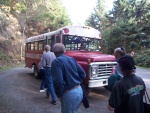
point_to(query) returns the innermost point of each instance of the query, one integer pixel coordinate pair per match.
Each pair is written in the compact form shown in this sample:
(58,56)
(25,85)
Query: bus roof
(84,31)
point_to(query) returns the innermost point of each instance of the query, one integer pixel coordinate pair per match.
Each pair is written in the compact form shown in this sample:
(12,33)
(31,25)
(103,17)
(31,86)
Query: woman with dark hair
(127,93)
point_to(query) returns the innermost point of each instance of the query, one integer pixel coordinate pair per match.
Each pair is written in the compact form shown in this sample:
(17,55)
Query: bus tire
(35,72)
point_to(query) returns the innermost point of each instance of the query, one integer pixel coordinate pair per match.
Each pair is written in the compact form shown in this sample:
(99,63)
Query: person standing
(46,62)
(118,53)
(127,93)
(67,77)
(43,85)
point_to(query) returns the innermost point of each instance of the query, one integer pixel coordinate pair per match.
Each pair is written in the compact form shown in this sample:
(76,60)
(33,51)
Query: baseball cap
(127,63)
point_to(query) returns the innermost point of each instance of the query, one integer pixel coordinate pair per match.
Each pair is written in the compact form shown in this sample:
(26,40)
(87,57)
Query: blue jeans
(71,100)
(49,81)
(43,83)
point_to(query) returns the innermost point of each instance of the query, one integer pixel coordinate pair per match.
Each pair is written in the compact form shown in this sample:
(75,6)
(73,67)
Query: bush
(4,2)
(142,58)
(4,57)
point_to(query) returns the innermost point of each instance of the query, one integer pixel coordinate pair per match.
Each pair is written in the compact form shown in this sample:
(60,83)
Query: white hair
(47,47)
(59,48)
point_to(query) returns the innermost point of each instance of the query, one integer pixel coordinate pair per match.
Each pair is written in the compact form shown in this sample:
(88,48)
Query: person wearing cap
(118,53)
(67,77)
(127,93)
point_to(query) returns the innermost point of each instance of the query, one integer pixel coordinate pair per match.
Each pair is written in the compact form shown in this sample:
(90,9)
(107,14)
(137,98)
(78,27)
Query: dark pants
(112,80)
(49,81)
(43,83)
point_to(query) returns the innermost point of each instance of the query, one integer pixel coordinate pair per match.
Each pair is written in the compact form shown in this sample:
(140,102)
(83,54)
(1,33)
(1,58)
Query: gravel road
(19,93)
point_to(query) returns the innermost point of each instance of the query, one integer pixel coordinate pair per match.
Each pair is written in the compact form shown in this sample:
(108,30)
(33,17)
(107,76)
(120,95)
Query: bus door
(55,39)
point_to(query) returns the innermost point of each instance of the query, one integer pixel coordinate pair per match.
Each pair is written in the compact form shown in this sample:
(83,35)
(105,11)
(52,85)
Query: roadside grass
(143,67)
(20,64)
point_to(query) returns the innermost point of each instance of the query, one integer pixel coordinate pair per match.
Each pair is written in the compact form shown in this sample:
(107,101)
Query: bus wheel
(35,71)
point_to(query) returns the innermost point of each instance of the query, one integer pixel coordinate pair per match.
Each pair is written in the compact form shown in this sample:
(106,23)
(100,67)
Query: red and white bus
(81,42)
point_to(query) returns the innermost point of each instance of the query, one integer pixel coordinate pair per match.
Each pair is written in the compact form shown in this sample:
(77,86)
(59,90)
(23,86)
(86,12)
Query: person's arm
(42,62)
(118,72)
(144,86)
(115,97)
(39,65)
(57,78)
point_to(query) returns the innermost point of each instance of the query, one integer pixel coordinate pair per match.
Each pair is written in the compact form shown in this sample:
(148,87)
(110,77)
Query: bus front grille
(105,69)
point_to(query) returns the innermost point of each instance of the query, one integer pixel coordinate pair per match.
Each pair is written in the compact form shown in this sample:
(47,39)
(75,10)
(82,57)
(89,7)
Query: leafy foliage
(142,58)
(127,25)
(3,56)
(19,7)
(4,2)
(24,18)
(39,16)
(97,19)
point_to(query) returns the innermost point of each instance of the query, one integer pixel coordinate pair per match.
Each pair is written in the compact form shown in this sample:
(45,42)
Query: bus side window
(36,46)
(32,46)
(28,46)
(41,45)
(52,42)
(49,42)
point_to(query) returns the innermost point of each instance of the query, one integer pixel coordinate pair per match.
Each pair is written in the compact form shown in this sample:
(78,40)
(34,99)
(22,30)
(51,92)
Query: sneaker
(53,102)
(41,91)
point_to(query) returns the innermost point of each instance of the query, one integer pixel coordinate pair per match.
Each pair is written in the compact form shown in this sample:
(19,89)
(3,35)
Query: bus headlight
(94,71)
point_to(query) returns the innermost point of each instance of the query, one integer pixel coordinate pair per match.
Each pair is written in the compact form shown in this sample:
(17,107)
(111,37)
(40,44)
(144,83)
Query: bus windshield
(81,43)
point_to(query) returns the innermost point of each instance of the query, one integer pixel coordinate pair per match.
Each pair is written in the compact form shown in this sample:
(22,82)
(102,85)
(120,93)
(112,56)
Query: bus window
(94,45)
(68,47)
(49,41)
(36,46)
(28,47)
(52,41)
(70,43)
(32,46)
(78,42)
(41,45)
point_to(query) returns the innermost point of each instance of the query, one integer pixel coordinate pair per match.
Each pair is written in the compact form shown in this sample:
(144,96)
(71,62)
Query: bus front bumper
(98,83)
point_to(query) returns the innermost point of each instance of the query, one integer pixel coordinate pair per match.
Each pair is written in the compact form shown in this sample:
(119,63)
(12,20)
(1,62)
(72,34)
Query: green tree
(97,19)
(142,12)
(39,16)
(128,18)
(137,10)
